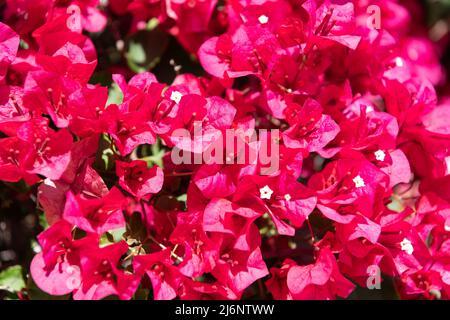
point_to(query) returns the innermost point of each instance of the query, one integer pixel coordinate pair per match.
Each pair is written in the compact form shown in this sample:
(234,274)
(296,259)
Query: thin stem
(178,174)
(310,230)
(164,248)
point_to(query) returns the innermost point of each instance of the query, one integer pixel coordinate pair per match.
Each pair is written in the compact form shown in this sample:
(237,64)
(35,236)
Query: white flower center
(176,96)
(399,62)
(407,246)
(287,197)
(447,165)
(380,155)
(369,109)
(265,192)
(447,226)
(263,19)
(359,182)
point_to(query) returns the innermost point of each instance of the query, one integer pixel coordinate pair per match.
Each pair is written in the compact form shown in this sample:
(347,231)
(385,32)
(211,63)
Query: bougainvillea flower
(49,91)
(282,198)
(165,277)
(56,269)
(277,282)
(79,177)
(137,179)
(309,129)
(129,130)
(223,216)
(101,275)
(238,267)
(321,280)
(95,215)
(13,110)
(9,43)
(193,290)
(49,150)
(202,122)
(14,156)
(200,251)
(351,185)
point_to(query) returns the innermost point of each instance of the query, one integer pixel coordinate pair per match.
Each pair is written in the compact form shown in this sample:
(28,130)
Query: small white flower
(447,227)
(380,155)
(263,19)
(399,62)
(287,197)
(176,96)
(265,192)
(359,182)
(407,246)
(447,165)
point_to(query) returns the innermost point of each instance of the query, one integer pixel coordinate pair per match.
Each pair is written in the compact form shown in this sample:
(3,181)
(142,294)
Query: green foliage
(145,48)
(437,10)
(115,95)
(11,279)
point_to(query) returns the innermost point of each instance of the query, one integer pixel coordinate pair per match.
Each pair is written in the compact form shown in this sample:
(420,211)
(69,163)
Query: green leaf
(115,95)
(136,53)
(182,198)
(106,239)
(112,236)
(106,155)
(43,221)
(141,294)
(11,279)
(145,48)
(117,234)
(395,205)
(152,24)
(157,154)
(23,44)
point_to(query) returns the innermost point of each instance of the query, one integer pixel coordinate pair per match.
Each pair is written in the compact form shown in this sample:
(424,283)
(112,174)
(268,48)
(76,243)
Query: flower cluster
(362,180)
